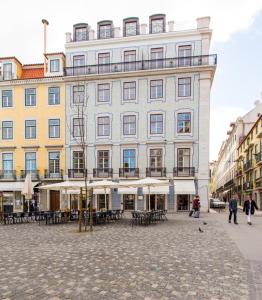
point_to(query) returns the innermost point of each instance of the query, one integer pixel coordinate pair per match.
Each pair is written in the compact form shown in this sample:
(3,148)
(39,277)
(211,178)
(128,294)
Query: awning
(184,187)
(14,186)
(130,190)
(156,190)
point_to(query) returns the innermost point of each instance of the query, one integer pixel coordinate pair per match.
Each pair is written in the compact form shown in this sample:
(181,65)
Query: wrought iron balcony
(229,183)
(7,174)
(54,174)
(258,157)
(102,172)
(183,171)
(259,183)
(34,174)
(156,172)
(238,173)
(248,186)
(248,165)
(164,63)
(128,172)
(77,173)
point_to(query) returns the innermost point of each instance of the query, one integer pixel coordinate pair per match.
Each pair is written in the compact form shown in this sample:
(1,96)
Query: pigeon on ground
(205,223)
(200,230)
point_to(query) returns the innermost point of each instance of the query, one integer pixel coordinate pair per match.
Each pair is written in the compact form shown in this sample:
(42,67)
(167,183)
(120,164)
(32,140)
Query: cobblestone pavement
(169,260)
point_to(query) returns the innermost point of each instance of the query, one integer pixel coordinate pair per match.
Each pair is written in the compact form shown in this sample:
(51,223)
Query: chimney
(45,23)
(171,26)
(68,37)
(117,32)
(203,23)
(91,34)
(143,28)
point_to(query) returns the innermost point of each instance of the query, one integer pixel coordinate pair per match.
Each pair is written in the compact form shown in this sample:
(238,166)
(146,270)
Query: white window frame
(156,112)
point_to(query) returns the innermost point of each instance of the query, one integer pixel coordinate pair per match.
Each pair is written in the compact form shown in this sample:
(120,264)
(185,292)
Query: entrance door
(182,202)
(54,200)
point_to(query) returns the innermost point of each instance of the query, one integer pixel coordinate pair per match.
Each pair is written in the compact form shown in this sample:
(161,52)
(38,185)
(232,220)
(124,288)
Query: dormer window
(105,29)
(157,23)
(7,71)
(80,32)
(130,27)
(54,65)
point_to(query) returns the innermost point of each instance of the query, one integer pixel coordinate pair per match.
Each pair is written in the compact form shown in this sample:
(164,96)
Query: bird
(205,223)
(200,230)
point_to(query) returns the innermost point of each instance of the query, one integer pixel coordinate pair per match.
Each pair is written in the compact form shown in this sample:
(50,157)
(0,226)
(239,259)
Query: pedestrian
(196,206)
(249,208)
(233,208)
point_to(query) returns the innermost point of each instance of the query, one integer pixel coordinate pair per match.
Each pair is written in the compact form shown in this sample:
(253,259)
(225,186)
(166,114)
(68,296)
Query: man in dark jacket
(233,208)
(249,208)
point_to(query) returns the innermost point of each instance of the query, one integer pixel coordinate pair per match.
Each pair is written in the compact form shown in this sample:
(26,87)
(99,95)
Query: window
(155,159)
(129,89)
(78,94)
(78,160)
(129,202)
(157,25)
(184,87)
(156,89)
(30,129)
(7,130)
(54,128)
(156,124)
(130,28)
(78,127)
(130,60)
(30,161)
(7,98)
(104,62)
(104,92)
(183,158)
(7,71)
(81,34)
(129,125)
(30,97)
(103,124)
(129,158)
(7,165)
(184,122)
(54,162)
(157,55)
(184,55)
(53,95)
(79,64)
(103,159)
(54,65)
(105,31)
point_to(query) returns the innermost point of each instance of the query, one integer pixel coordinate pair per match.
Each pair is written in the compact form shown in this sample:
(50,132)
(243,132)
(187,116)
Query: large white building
(145,91)
(226,166)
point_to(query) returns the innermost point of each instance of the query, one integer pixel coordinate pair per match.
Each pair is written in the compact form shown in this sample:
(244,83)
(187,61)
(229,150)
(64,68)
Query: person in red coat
(249,208)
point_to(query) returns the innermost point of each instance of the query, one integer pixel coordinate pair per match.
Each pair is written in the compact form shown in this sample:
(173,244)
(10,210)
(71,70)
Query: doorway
(183,202)
(54,200)
(155,202)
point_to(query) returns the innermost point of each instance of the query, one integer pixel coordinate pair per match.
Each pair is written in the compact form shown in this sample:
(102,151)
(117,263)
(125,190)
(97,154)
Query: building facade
(226,169)
(141,97)
(249,179)
(32,119)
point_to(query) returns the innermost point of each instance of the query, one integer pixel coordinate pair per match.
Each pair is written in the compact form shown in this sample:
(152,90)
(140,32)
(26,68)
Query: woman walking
(249,208)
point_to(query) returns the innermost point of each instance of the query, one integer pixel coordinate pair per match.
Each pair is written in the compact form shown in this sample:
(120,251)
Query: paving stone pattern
(169,260)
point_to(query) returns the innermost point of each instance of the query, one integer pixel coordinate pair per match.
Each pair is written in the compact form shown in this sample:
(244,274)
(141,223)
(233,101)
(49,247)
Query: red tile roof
(32,73)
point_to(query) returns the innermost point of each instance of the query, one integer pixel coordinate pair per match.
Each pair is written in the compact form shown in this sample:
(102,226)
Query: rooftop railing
(164,63)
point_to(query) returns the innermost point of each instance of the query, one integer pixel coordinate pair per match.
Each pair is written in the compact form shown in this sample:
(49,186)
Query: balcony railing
(258,157)
(229,183)
(7,174)
(164,63)
(53,174)
(129,172)
(77,173)
(248,186)
(102,172)
(259,182)
(183,171)
(238,173)
(156,172)
(248,165)
(34,174)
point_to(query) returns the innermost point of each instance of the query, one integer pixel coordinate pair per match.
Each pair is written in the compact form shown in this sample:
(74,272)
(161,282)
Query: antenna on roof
(45,23)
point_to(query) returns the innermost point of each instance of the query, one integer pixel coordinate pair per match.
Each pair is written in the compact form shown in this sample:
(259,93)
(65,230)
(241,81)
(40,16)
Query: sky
(237,39)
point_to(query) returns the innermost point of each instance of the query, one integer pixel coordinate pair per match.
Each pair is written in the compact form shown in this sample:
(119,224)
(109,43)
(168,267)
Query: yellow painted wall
(41,113)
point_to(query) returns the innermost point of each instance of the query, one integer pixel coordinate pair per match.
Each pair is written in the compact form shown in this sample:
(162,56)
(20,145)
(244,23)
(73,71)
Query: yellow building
(32,128)
(249,169)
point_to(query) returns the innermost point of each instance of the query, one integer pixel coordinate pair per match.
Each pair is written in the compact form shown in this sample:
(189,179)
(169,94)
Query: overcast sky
(234,23)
